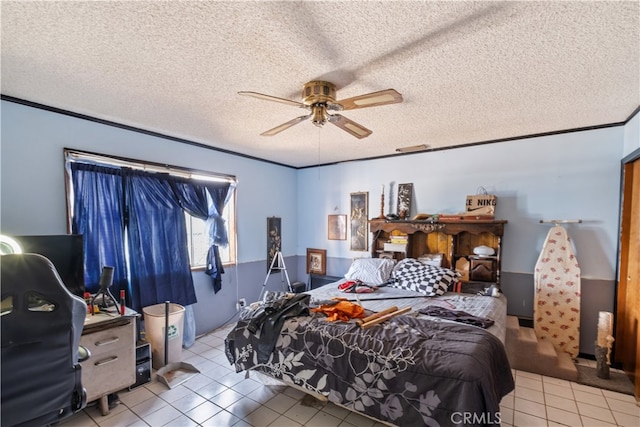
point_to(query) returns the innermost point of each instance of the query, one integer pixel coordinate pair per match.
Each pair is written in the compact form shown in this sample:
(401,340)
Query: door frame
(626,165)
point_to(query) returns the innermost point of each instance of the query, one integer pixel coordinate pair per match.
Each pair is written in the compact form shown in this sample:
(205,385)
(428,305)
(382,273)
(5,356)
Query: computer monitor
(66,253)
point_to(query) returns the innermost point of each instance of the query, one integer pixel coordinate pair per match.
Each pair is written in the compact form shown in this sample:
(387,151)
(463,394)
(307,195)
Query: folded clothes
(457,316)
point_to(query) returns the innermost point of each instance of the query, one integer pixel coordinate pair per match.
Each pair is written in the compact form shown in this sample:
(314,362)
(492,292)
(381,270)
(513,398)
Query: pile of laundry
(356,287)
(340,309)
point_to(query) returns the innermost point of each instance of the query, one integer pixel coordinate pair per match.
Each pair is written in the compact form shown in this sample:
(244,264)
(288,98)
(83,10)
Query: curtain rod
(149,166)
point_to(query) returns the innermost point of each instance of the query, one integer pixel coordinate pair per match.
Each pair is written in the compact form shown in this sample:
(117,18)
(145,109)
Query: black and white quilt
(406,371)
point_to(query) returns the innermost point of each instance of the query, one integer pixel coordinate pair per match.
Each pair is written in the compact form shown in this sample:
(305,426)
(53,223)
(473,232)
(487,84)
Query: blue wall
(572,175)
(34,201)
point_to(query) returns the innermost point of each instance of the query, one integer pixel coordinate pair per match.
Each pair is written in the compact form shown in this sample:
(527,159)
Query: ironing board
(557,293)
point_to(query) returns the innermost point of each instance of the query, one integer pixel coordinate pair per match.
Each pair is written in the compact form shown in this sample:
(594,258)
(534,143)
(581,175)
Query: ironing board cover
(557,293)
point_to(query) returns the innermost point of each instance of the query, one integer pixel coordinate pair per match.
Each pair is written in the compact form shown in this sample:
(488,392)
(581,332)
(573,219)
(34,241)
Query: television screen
(65,252)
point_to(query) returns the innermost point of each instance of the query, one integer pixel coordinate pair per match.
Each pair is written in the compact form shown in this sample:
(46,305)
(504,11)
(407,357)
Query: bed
(412,369)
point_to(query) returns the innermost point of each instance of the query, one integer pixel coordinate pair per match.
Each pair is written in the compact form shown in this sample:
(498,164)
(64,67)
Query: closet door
(627,344)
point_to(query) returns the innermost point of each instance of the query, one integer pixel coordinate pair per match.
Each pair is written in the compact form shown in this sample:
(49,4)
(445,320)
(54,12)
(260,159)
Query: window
(198,240)
(131,216)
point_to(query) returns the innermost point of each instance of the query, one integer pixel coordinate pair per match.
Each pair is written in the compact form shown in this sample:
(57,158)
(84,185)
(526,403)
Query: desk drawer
(111,366)
(107,340)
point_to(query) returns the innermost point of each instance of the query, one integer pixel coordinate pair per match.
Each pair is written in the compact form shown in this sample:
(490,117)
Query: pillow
(430,280)
(372,271)
(432,259)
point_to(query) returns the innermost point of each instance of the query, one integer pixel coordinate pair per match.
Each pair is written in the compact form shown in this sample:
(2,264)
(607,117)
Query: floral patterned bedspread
(406,371)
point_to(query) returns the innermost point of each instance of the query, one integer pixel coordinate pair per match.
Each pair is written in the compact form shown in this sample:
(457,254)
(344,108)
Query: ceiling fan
(319,97)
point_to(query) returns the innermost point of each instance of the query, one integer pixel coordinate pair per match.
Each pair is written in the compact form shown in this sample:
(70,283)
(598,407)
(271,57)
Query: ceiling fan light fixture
(319,96)
(318,113)
(318,92)
(413,148)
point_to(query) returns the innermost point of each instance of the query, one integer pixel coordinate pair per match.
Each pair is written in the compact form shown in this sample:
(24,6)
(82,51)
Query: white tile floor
(220,397)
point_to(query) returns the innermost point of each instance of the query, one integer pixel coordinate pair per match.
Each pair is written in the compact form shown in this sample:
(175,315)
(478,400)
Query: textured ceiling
(468,71)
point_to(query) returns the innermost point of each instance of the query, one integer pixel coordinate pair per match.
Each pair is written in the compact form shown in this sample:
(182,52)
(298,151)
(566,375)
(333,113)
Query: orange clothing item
(343,310)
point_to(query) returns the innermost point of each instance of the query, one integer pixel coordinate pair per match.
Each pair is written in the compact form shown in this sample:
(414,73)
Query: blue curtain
(159,258)
(194,197)
(205,201)
(219,193)
(191,196)
(99,215)
(146,210)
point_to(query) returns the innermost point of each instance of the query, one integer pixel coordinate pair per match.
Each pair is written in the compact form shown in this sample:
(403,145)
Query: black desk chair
(41,324)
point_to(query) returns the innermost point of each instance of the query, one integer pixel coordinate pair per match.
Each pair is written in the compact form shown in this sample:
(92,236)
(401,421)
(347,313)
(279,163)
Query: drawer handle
(107,342)
(105,361)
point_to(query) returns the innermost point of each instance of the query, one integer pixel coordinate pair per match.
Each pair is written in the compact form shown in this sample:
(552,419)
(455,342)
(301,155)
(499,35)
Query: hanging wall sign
(359,221)
(274,239)
(405,193)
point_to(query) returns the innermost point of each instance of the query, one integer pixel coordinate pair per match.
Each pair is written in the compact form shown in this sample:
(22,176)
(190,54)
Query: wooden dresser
(453,238)
(112,364)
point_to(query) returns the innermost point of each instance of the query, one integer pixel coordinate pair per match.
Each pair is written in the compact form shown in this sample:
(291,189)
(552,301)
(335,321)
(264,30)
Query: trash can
(154,326)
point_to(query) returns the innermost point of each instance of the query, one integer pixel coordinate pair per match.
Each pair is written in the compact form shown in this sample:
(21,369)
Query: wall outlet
(242,302)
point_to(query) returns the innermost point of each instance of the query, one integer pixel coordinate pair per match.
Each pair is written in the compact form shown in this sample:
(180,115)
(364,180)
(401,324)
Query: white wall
(565,176)
(632,135)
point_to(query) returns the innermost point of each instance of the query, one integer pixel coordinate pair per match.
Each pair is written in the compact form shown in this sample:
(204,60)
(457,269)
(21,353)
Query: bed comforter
(407,371)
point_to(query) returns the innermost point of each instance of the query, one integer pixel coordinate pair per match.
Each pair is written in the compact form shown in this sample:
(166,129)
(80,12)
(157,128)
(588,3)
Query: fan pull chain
(319,130)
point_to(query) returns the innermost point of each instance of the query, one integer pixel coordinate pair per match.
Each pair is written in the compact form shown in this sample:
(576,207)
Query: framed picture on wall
(317,261)
(274,239)
(337,225)
(359,221)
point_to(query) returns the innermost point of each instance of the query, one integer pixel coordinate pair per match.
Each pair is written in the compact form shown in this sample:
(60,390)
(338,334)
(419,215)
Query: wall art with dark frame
(274,239)
(405,195)
(359,221)
(337,226)
(317,261)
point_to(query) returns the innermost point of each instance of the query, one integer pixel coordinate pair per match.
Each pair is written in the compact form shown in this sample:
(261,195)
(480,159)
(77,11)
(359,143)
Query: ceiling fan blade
(272,98)
(285,126)
(383,97)
(350,126)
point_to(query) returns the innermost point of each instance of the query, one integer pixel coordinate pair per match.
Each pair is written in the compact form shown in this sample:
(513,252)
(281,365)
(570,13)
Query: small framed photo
(317,261)
(337,227)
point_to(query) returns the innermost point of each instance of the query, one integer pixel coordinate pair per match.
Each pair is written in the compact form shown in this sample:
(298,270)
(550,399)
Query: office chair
(41,324)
